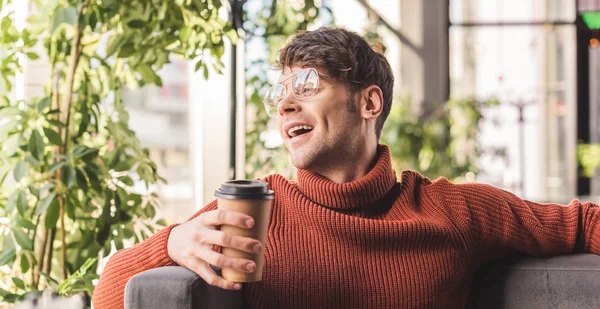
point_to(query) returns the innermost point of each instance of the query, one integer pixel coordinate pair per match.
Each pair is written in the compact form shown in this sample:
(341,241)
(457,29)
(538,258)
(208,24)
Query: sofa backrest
(569,281)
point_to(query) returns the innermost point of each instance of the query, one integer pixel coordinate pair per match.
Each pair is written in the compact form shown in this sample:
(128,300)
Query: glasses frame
(285,84)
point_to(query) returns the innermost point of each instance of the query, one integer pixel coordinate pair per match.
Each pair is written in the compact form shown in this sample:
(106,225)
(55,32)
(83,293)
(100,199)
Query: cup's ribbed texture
(379,243)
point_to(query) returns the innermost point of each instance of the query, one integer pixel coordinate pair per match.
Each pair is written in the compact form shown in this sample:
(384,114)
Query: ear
(371,103)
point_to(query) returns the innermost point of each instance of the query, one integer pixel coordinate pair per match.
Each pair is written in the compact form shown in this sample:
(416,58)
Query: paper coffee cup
(252,198)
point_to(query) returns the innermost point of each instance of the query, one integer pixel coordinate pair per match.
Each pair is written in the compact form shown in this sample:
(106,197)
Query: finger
(214,237)
(220,217)
(223,261)
(205,272)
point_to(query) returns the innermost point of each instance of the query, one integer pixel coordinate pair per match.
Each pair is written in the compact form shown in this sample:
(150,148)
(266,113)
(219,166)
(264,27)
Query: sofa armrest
(176,287)
(569,281)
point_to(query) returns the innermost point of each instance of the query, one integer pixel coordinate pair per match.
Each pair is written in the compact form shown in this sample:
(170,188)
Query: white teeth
(292,131)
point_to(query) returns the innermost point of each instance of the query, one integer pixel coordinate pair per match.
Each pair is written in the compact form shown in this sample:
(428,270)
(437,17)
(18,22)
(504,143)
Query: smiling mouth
(299,130)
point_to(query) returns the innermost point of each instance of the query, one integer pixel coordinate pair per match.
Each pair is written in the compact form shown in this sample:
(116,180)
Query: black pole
(447,51)
(236,22)
(521,107)
(583,100)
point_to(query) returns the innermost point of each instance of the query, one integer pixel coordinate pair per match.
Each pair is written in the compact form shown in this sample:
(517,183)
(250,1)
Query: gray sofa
(571,281)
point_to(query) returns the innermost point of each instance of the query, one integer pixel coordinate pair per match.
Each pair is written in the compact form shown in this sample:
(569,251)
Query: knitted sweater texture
(381,243)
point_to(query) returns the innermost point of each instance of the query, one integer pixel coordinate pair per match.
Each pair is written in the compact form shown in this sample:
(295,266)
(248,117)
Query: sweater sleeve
(151,253)
(494,223)
(502,223)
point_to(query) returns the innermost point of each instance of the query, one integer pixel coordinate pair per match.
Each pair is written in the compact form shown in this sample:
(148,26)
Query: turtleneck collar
(364,191)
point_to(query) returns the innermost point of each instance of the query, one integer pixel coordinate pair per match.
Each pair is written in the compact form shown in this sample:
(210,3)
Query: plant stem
(70,79)
(42,255)
(34,270)
(74,57)
(50,252)
(63,248)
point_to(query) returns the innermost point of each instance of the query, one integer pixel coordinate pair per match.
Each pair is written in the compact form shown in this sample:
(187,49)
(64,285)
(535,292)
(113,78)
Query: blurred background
(163,107)
(499,92)
(493,91)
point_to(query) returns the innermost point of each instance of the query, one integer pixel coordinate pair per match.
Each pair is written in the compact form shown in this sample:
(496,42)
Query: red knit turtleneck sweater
(379,243)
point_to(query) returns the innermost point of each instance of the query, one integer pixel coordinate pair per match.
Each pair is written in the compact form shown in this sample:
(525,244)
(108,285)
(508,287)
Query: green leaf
(148,75)
(7,256)
(52,280)
(7,241)
(113,44)
(232,35)
(18,283)
(7,127)
(34,191)
(81,180)
(52,215)
(57,123)
(8,112)
(13,298)
(136,24)
(11,145)
(199,65)
(53,137)
(22,238)
(22,203)
(36,145)
(44,204)
(61,15)
(150,211)
(126,180)
(3,292)
(70,209)
(85,119)
(127,49)
(43,104)
(12,201)
(24,263)
(20,170)
(46,187)
(56,166)
(86,239)
(26,224)
(32,161)
(84,152)
(127,233)
(185,33)
(68,176)
(32,56)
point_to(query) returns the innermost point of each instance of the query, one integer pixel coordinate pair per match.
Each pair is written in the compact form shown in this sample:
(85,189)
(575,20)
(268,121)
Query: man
(347,234)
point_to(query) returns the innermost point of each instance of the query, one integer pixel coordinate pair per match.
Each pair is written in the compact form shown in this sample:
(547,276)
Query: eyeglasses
(305,84)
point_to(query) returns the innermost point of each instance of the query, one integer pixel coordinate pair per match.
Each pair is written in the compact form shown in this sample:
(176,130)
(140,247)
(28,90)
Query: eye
(306,83)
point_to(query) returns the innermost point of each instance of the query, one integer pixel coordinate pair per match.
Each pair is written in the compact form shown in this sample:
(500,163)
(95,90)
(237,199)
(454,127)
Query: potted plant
(70,167)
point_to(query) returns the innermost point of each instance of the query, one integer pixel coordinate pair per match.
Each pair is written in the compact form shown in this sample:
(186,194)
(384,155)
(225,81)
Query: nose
(288,104)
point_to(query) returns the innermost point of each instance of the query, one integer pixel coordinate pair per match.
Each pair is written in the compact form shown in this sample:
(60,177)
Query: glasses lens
(272,98)
(306,83)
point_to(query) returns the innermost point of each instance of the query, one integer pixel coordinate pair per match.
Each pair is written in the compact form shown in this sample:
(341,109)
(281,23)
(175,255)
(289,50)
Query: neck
(355,166)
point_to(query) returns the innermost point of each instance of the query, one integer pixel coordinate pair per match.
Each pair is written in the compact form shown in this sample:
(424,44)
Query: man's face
(318,131)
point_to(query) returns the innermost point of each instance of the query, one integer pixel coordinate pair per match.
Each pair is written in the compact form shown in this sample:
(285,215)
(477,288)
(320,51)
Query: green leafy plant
(588,156)
(74,180)
(443,143)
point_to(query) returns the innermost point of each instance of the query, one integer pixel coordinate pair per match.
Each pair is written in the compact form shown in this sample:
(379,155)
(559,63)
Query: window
(159,116)
(523,53)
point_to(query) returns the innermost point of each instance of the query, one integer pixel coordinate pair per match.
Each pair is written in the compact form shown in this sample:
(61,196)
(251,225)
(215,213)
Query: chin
(299,159)
(309,158)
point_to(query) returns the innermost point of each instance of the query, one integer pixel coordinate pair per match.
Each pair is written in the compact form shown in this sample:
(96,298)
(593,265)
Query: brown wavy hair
(344,55)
